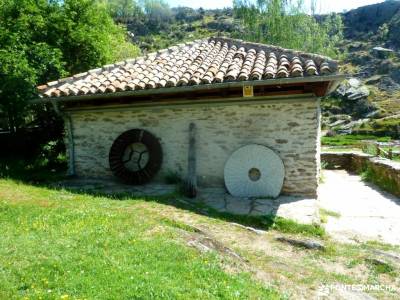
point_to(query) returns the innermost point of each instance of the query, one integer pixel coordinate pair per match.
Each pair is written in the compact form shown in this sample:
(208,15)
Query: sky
(325,5)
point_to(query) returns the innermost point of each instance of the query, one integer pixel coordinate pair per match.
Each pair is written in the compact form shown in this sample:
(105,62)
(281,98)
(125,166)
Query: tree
(125,11)
(158,14)
(286,23)
(43,40)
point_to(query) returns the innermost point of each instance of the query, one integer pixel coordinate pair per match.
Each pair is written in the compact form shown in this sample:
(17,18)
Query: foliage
(351,140)
(124,11)
(158,14)
(60,245)
(187,14)
(384,182)
(45,40)
(383,32)
(287,24)
(33,170)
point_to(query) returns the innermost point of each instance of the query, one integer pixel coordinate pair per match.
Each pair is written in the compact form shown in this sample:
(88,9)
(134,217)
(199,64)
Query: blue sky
(325,5)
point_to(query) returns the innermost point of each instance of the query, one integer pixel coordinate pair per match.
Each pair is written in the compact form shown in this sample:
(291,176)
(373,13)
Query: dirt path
(366,212)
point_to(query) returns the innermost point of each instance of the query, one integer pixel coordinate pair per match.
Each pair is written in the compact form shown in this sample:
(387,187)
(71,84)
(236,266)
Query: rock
(351,125)
(392,256)
(251,229)
(388,84)
(345,131)
(373,115)
(353,89)
(338,122)
(374,79)
(308,244)
(369,18)
(207,244)
(354,82)
(384,67)
(383,53)
(359,108)
(331,133)
(380,263)
(357,93)
(395,75)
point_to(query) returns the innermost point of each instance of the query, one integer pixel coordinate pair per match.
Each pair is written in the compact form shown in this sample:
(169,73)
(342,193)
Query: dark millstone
(308,244)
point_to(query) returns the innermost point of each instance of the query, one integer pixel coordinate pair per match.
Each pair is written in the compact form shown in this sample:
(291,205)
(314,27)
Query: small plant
(380,267)
(324,214)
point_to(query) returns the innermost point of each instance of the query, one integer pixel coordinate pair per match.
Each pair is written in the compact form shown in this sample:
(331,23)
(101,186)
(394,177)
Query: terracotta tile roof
(208,61)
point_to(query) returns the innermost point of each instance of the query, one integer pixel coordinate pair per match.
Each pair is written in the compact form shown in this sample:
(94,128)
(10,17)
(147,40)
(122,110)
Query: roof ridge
(262,46)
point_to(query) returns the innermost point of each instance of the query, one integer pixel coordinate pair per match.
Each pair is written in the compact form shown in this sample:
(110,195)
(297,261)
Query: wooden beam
(211,95)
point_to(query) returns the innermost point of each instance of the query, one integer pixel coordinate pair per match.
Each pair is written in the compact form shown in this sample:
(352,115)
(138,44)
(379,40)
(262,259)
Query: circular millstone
(254,171)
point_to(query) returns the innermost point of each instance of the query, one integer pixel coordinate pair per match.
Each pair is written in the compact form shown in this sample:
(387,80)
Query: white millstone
(254,171)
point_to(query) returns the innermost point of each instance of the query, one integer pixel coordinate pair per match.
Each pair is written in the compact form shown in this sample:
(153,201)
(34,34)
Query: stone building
(132,119)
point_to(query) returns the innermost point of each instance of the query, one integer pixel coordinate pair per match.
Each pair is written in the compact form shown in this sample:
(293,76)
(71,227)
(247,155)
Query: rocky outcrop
(354,95)
(353,89)
(368,19)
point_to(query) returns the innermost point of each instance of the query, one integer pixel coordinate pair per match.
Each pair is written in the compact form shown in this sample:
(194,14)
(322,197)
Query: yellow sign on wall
(248,91)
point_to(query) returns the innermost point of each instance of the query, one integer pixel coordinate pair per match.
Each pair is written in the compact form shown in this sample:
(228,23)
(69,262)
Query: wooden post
(191,182)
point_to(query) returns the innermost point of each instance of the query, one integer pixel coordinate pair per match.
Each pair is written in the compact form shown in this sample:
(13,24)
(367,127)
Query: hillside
(369,103)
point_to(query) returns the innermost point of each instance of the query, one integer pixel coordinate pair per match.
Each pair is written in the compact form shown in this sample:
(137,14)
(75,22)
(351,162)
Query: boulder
(353,89)
(308,244)
(383,53)
(373,114)
(385,66)
(337,123)
(387,84)
(373,79)
(395,74)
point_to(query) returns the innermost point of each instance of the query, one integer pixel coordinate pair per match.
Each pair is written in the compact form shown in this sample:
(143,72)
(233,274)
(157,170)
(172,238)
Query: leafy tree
(125,11)
(42,40)
(286,23)
(158,14)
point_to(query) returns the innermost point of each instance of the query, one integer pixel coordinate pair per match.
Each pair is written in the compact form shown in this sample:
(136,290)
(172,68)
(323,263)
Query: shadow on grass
(41,175)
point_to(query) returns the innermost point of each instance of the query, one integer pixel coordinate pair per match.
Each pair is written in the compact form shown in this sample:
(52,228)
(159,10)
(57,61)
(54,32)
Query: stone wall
(383,172)
(290,128)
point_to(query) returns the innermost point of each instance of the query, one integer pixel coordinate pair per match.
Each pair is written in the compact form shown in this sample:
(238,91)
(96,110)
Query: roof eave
(333,79)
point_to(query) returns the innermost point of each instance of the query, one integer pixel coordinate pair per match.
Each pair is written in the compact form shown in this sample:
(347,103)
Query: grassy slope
(57,244)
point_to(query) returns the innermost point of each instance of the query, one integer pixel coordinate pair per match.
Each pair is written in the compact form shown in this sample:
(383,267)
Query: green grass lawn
(60,245)
(57,244)
(351,140)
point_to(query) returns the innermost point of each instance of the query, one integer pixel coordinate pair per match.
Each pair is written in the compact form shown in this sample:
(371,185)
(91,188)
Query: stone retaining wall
(385,173)
(289,128)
